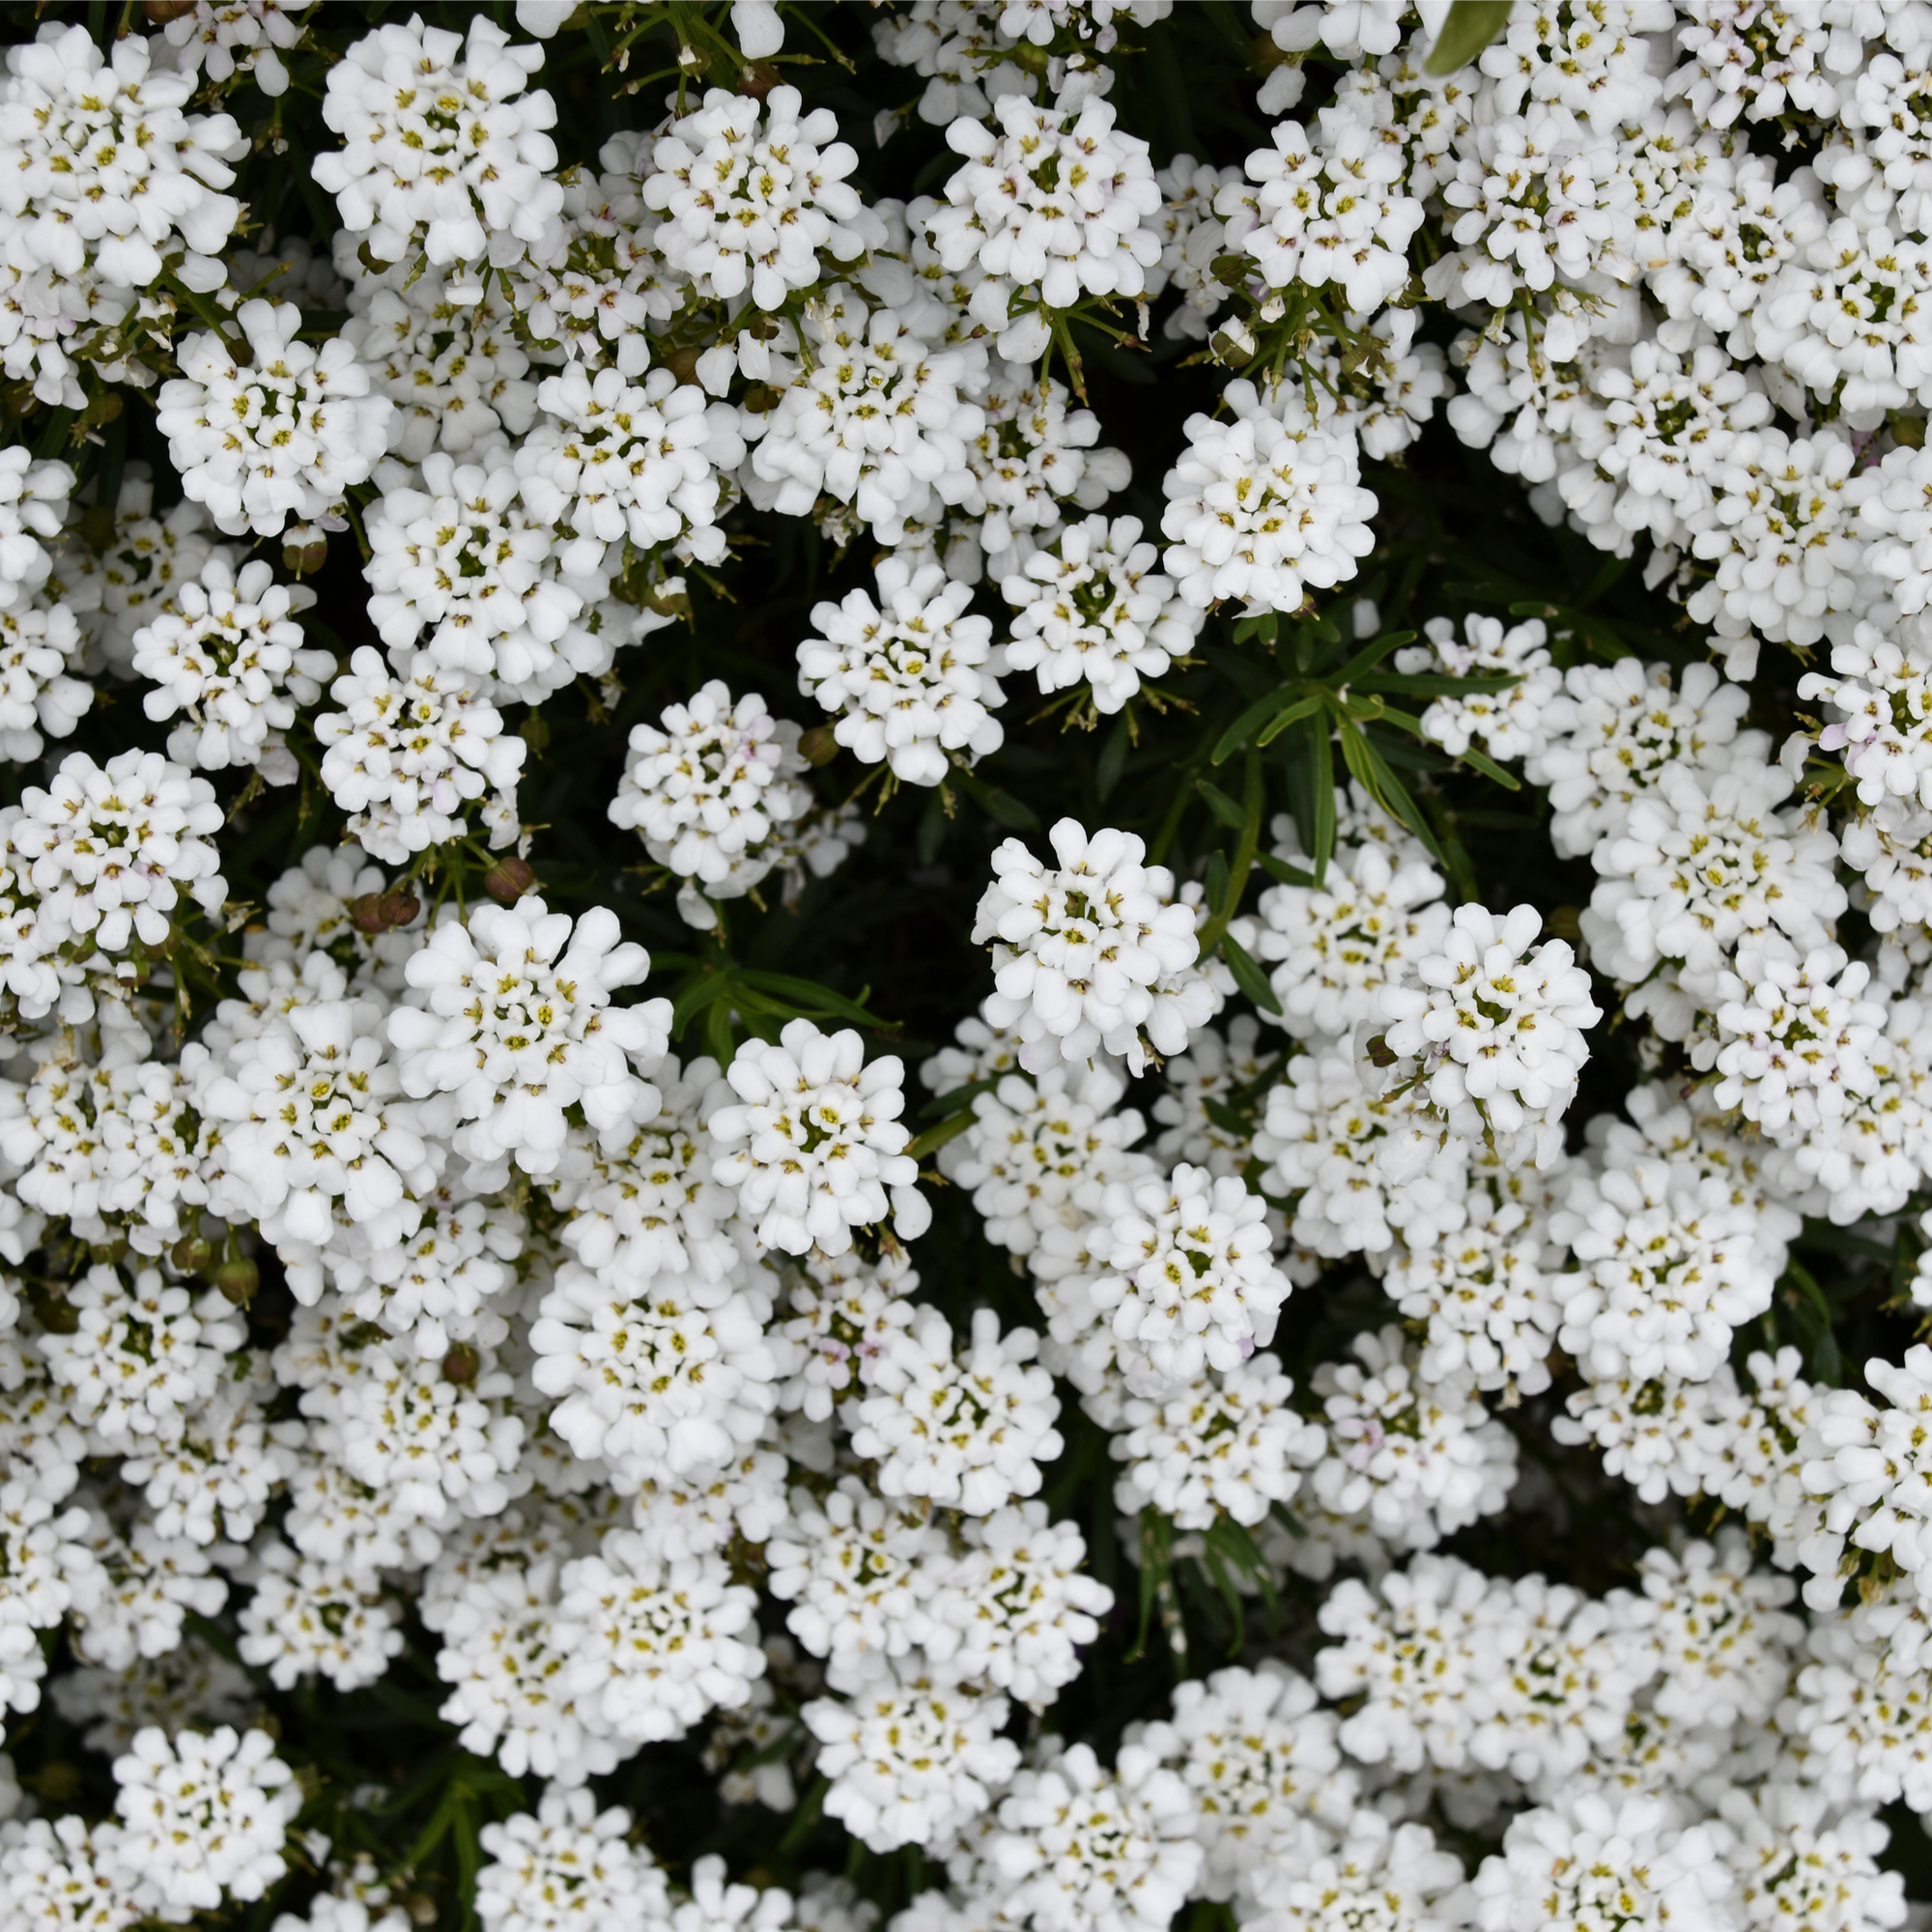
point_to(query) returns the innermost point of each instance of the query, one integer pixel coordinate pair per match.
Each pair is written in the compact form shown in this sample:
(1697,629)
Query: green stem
(1249,843)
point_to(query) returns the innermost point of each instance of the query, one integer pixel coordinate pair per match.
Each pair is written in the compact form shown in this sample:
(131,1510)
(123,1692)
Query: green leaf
(1307,707)
(1370,655)
(1216,881)
(1248,975)
(1472,25)
(1239,732)
(1001,807)
(958,1099)
(807,996)
(1489,769)
(1224,808)
(1324,798)
(1280,869)
(699,995)
(1433,684)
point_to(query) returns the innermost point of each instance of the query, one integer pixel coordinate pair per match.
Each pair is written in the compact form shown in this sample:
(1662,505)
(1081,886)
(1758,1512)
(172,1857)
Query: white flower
(39,646)
(1232,1442)
(445,150)
(312,1618)
(517,1025)
(1670,1267)
(411,750)
(843,1309)
(1509,724)
(141,1356)
(50,1571)
(640,1195)
(1038,1155)
(1085,952)
(716,1905)
(453,368)
(816,1149)
(279,436)
(1617,727)
(224,37)
(567,1868)
(1362,1169)
(1380,1875)
(1419,1458)
(1081,1847)
(1057,204)
(1799,1859)
(657,1643)
(1014,1608)
(910,676)
(969,1429)
(1091,608)
(109,851)
(1266,507)
(1194,1284)
(860,1571)
(465,559)
(32,504)
(1487,1289)
(109,1149)
(425,1435)
(312,1113)
(910,1762)
(1492,1035)
(1795,1040)
(1033,460)
(216,1479)
(869,412)
(1340,943)
(751,195)
(1703,865)
(104,169)
(1262,1767)
(202,1815)
(1212,1080)
(1330,210)
(1596,1863)
(711,791)
(233,659)
(507,1653)
(59,1873)
(630,462)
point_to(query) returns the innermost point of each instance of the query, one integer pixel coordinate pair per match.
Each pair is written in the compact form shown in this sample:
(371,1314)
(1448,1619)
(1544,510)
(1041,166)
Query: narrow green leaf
(1248,975)
(697,996)
(1489,769)
(1280,869)
(809,996)
(1368,656)
(1294,715)
(1324,798)
(1216,881)
(958,1099)
(1224,808)
(1001,807)
(1471,26)
(1431,684)
(1259,712)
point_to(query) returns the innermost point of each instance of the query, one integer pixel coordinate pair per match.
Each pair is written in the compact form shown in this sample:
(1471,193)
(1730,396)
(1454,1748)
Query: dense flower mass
(966,966)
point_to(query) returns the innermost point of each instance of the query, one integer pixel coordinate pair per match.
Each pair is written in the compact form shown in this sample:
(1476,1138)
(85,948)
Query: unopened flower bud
(238,1278)
(461,1364)
(509,879)
(818,746)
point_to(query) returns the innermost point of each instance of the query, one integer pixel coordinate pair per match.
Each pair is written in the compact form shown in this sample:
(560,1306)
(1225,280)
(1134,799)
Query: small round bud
(238,1278)
(683,364)
(818,746)
(509,879)
(758,78)
(366,915)
(193,1254)
(461,1364)
(57,1315)
(398,906)
(160,11)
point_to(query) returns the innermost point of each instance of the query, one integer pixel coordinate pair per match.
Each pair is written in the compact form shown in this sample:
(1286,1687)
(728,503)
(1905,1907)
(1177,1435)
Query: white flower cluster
(400,1269)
